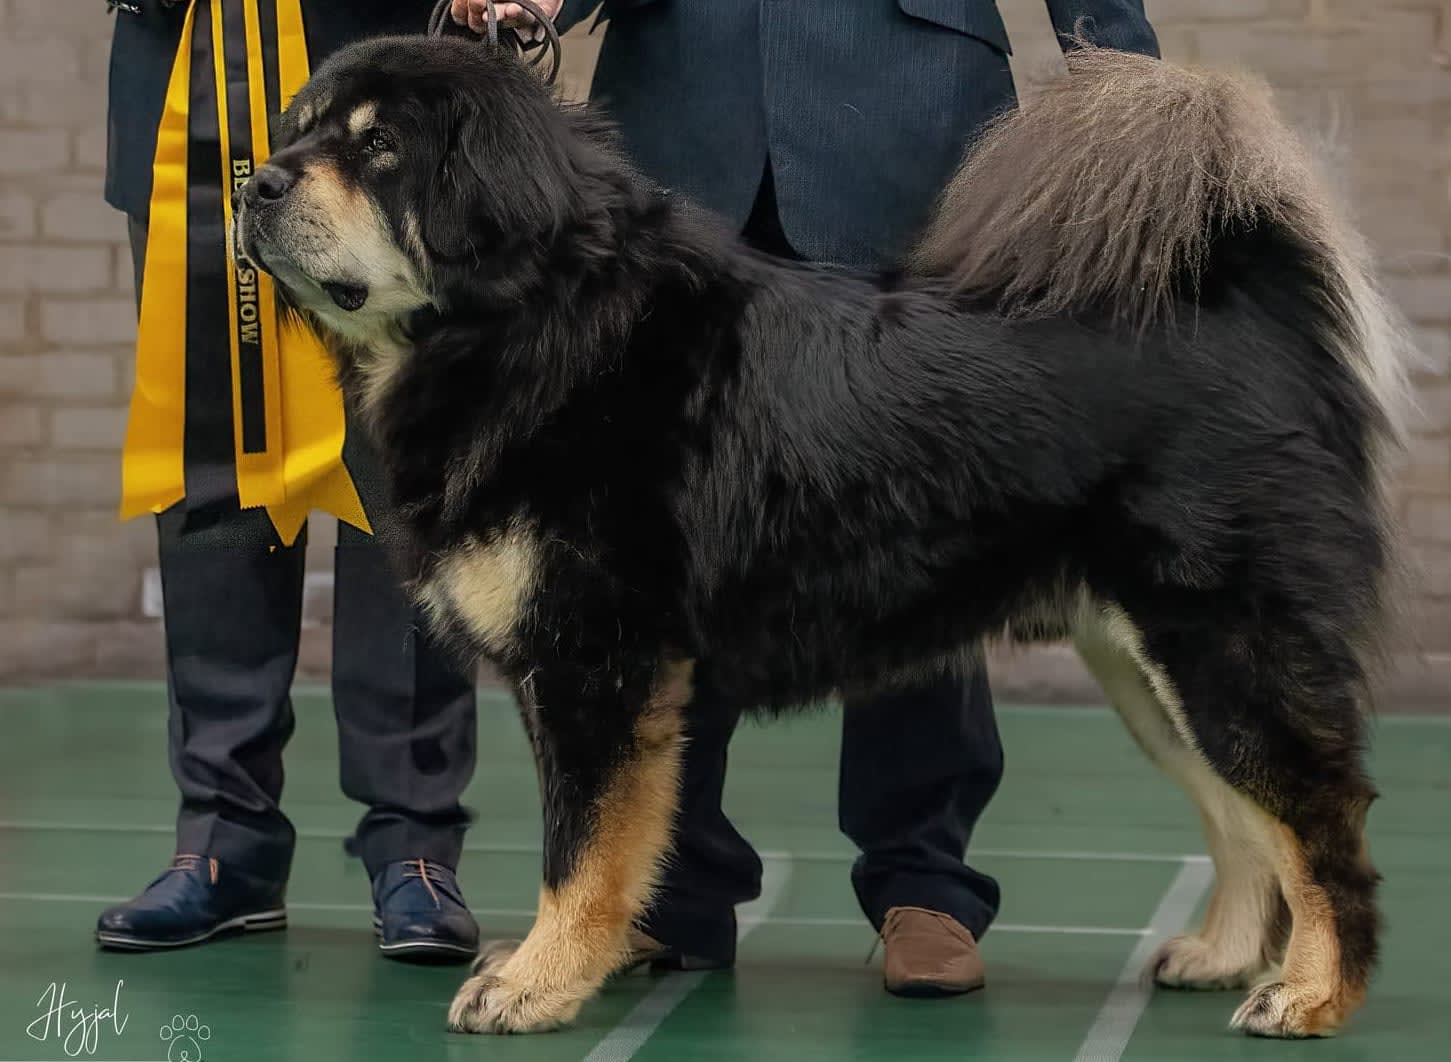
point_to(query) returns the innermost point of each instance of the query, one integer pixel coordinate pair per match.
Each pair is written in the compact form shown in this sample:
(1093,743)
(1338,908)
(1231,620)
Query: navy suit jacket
(863,107)
(143,48)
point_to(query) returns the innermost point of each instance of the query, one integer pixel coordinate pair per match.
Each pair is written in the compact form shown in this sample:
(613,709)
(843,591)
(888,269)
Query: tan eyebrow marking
(362,117)
(310,111)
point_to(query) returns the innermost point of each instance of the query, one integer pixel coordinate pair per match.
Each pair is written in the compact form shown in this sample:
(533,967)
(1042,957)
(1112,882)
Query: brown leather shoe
(928,953)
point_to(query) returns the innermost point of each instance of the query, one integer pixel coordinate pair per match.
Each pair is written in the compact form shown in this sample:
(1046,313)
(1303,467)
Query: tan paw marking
(490,1003)
(1286,1010)
(1193,962)
(493,955)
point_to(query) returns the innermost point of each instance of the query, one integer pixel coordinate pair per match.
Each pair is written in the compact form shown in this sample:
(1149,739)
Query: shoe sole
(670,962)
(262,922)
(932,989)
(422,951)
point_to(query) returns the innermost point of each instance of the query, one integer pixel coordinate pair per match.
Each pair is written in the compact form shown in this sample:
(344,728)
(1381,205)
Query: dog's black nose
(272,182)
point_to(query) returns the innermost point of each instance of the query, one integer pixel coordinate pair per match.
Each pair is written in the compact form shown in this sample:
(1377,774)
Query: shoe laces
(888,924)
(188,861)
(427,871)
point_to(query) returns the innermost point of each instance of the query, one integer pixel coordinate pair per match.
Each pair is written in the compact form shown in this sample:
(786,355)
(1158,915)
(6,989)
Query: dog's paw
(1286,1010)
(1192,962)
(492,1003)
(493,955)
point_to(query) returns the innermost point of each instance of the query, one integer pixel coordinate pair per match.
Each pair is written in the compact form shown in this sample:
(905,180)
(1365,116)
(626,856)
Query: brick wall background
(1370,80)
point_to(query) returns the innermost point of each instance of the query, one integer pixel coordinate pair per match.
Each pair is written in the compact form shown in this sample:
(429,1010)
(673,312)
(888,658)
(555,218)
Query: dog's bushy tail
(1111,190)
(1132,187)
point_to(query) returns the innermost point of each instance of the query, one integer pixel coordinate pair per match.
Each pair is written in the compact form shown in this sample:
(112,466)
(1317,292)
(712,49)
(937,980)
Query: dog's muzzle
(256,215)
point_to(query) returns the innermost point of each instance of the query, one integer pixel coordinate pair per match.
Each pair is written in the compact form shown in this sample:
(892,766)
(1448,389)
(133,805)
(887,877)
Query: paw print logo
(184,1037)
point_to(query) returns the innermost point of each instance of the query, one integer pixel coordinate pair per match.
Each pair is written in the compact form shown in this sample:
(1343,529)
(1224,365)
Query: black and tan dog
(1135,388)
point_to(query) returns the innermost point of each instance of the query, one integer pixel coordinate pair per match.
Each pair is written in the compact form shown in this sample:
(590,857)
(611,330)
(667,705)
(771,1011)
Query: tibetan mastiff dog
(1133,387)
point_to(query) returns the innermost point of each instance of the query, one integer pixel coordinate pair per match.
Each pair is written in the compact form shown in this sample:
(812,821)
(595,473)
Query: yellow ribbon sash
(286,414)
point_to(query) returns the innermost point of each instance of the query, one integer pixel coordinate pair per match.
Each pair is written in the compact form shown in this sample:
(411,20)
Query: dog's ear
(501,179)
(454,204)
(514,169)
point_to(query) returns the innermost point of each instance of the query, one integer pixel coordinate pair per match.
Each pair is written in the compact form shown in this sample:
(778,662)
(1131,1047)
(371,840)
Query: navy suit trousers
(918,768)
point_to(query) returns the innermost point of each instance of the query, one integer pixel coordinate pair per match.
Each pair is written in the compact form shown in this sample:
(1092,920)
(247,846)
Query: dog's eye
(378,142)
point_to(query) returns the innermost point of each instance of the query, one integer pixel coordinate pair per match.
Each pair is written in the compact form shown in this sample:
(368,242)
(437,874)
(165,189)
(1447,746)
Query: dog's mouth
(348,297)
(248,244)
(248,241)
(241,252)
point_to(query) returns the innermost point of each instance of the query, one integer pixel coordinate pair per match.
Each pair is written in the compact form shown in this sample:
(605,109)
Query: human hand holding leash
(539,37)
(473,14)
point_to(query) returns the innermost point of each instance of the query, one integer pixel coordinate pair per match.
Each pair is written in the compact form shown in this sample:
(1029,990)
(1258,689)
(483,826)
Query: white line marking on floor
(1090,857)
(747,921)
(487,693)
(806,856)
(1070,855)
(1120,1013)
(621,1043)
(998,927)
(502,697)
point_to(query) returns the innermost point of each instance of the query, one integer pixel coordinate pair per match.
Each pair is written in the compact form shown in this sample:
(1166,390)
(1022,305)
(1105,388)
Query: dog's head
(408,173)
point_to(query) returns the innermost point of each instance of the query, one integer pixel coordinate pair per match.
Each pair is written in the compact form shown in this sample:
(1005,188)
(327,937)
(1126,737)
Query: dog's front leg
(608,750)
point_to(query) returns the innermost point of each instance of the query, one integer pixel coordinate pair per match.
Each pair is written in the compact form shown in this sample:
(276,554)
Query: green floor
(1087,841)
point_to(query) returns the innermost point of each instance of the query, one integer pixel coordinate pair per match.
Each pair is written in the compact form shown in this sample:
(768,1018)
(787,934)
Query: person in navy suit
(825,131)
(233,608)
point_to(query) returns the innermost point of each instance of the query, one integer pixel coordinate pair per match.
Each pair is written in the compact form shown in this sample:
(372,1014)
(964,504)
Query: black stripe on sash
(251,382)
(267,17)
(208,446)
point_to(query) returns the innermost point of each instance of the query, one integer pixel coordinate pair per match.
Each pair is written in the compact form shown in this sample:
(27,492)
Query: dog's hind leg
(1311,779)
(1274,710)
(1243,927)
(608,749)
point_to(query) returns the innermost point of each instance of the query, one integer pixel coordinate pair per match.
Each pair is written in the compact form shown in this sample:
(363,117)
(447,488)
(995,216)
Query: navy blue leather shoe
(419,914)
(194,899)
